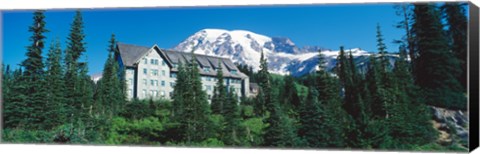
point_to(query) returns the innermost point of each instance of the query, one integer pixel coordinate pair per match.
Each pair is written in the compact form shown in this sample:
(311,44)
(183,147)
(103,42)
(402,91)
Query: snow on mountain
(245,47)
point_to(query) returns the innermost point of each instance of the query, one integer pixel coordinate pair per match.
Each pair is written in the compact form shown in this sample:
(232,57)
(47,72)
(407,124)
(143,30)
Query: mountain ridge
(245,47)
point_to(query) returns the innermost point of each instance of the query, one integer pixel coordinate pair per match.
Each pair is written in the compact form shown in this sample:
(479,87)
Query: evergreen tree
(280,131)
(312,117)
(34,74)
(409,123)
(111,96)
(291,100)
(219,92)
(436,68)
(263,76)
(193,117)
(259,103)
(54,78)
(376,88)
(7,87)
(385,65)
(84,94)
(76,44)
(375,110)
(75,48)
(348,77)
(15,109)
(179,91)
(404,10)
(335,118)
(457,30)
(233,131)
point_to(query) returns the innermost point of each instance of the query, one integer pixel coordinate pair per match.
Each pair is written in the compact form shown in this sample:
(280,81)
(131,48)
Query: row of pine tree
(384,107)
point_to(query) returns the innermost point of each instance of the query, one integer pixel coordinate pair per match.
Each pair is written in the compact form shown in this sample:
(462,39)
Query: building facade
(150,72)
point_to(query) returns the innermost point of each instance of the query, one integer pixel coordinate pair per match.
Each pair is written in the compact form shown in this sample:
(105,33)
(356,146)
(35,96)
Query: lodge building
(150,72)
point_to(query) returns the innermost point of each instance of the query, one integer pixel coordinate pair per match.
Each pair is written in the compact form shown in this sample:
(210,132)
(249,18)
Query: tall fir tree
(335,118)
(56,93)
(219,92)
(263,102)
(409,124)
(34,74)
(75,48)
(347,78)
(111,96)
(382,50)
(290,97)
(404,10)
(233,131)
(280,131)
(15,109)
(193,117)
(179,91)
(376,107)
(312,118)
(84,94)
(436,69)
(457,30)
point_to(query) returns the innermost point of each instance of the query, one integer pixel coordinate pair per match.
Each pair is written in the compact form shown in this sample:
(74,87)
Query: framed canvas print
(355,76)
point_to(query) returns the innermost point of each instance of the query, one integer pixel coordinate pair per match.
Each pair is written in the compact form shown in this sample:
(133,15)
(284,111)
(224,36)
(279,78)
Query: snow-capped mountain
(245,47)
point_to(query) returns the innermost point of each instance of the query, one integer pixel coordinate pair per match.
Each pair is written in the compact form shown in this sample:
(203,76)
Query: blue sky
(329,26)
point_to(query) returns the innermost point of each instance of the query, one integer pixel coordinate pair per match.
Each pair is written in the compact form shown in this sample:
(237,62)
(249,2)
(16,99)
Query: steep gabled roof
(131,54)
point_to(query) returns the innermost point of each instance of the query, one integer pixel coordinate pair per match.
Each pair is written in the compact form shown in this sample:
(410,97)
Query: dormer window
(233,71)
(175,65)
(206,69)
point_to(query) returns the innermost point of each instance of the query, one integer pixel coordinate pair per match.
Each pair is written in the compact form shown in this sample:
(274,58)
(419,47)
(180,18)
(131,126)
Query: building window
(162,93)
(173,75)
(233,71)
(163,72)
(206,69)
(155,72)
(144,93)
(152,83)
(145,60)
(155,61)
(172,84)
(209,88)
(144,81)
(145,71)
(163,63)
(163,83)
